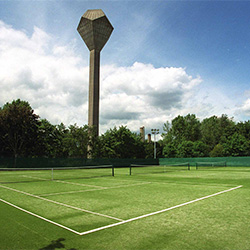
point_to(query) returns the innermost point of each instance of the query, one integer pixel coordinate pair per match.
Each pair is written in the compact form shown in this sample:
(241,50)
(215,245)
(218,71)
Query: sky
(163,59)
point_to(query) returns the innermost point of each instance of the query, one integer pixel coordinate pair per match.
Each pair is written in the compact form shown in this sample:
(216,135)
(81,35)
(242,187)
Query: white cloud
(54,80)
(49,76)
(245,107)
(144,95)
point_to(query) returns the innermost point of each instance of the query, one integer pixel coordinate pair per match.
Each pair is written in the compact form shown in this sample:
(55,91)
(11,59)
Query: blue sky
(164,58)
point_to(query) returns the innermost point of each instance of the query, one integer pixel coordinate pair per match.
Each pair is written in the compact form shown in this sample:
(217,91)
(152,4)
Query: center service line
(157,212)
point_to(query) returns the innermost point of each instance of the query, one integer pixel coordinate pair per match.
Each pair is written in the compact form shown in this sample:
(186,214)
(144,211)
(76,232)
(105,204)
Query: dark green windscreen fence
(70,162)
(41,162)
(230,161)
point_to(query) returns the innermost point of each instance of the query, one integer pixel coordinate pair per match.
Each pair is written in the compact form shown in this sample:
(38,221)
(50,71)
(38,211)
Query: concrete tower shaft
(95,30)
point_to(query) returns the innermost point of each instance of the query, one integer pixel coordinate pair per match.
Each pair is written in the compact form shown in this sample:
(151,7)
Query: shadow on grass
(56,244)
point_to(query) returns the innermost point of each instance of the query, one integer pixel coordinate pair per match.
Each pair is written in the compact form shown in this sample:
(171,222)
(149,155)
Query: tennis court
(127,205)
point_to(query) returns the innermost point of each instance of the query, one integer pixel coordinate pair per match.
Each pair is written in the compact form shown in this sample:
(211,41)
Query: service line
(157,212)
(96,189)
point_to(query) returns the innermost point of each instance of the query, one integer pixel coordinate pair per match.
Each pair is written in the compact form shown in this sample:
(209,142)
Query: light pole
(155,132)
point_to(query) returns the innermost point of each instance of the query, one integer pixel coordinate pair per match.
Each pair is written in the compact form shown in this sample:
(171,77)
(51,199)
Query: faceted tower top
(95,29)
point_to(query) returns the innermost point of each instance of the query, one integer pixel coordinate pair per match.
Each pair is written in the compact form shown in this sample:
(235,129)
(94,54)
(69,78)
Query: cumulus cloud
(54,80)
(49,76)
(144,95)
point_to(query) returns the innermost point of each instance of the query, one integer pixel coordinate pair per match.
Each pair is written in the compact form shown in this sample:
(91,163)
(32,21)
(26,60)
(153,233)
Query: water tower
(95,30)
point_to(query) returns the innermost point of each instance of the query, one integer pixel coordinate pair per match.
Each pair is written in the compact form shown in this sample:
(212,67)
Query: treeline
(216,136)
(24,134)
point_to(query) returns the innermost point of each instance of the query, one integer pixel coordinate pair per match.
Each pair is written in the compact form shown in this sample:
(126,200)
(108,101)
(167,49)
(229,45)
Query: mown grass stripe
(90,190)
(157,212)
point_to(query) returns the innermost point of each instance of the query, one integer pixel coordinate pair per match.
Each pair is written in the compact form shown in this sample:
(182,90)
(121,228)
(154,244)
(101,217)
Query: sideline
(157,212)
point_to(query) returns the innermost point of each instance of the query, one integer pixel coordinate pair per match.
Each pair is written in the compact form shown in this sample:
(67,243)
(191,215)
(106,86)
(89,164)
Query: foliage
(121,143)
(215,130)
(76,141)
(236,145)
(186,128)
(149,150)
(185,149)
(19,128)
(22,133)
(200,149)
(217,151)
(214,136)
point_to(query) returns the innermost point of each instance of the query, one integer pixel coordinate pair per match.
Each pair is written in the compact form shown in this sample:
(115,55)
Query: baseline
(157,212)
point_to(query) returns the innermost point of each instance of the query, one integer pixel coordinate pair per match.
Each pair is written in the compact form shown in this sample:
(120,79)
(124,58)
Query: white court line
(125,221)
(89,190)
(79,184)
(40,217)
(157,212)
(62,204)
(72,183)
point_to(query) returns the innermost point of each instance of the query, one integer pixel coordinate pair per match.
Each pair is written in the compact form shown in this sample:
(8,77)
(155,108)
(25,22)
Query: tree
(210,132)
(178,128)
(183,128)
(215,130)
(183,131)
(51,138)
(200,149)
(19,128)
(243,128)
(149,150)
(121,143)
(192,130)
(170,150)
(185,149)
(236,145)
(76,141)
(217,151)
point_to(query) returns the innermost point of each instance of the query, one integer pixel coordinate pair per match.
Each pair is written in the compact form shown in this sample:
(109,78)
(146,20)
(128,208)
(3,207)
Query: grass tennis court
(182,209)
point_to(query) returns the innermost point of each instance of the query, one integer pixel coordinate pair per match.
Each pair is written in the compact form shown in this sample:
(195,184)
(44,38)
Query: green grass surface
(218,222)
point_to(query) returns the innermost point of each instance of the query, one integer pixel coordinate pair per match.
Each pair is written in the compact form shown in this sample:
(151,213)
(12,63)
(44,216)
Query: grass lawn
(128,212)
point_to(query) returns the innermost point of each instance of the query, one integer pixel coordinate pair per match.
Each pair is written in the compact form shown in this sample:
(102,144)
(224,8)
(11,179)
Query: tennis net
(14,175)
(149,169)
(210,164)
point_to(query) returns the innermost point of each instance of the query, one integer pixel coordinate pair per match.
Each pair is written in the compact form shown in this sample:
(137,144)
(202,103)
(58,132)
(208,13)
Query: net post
(52,174)
(188,166)
(113,171)
(130,170)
